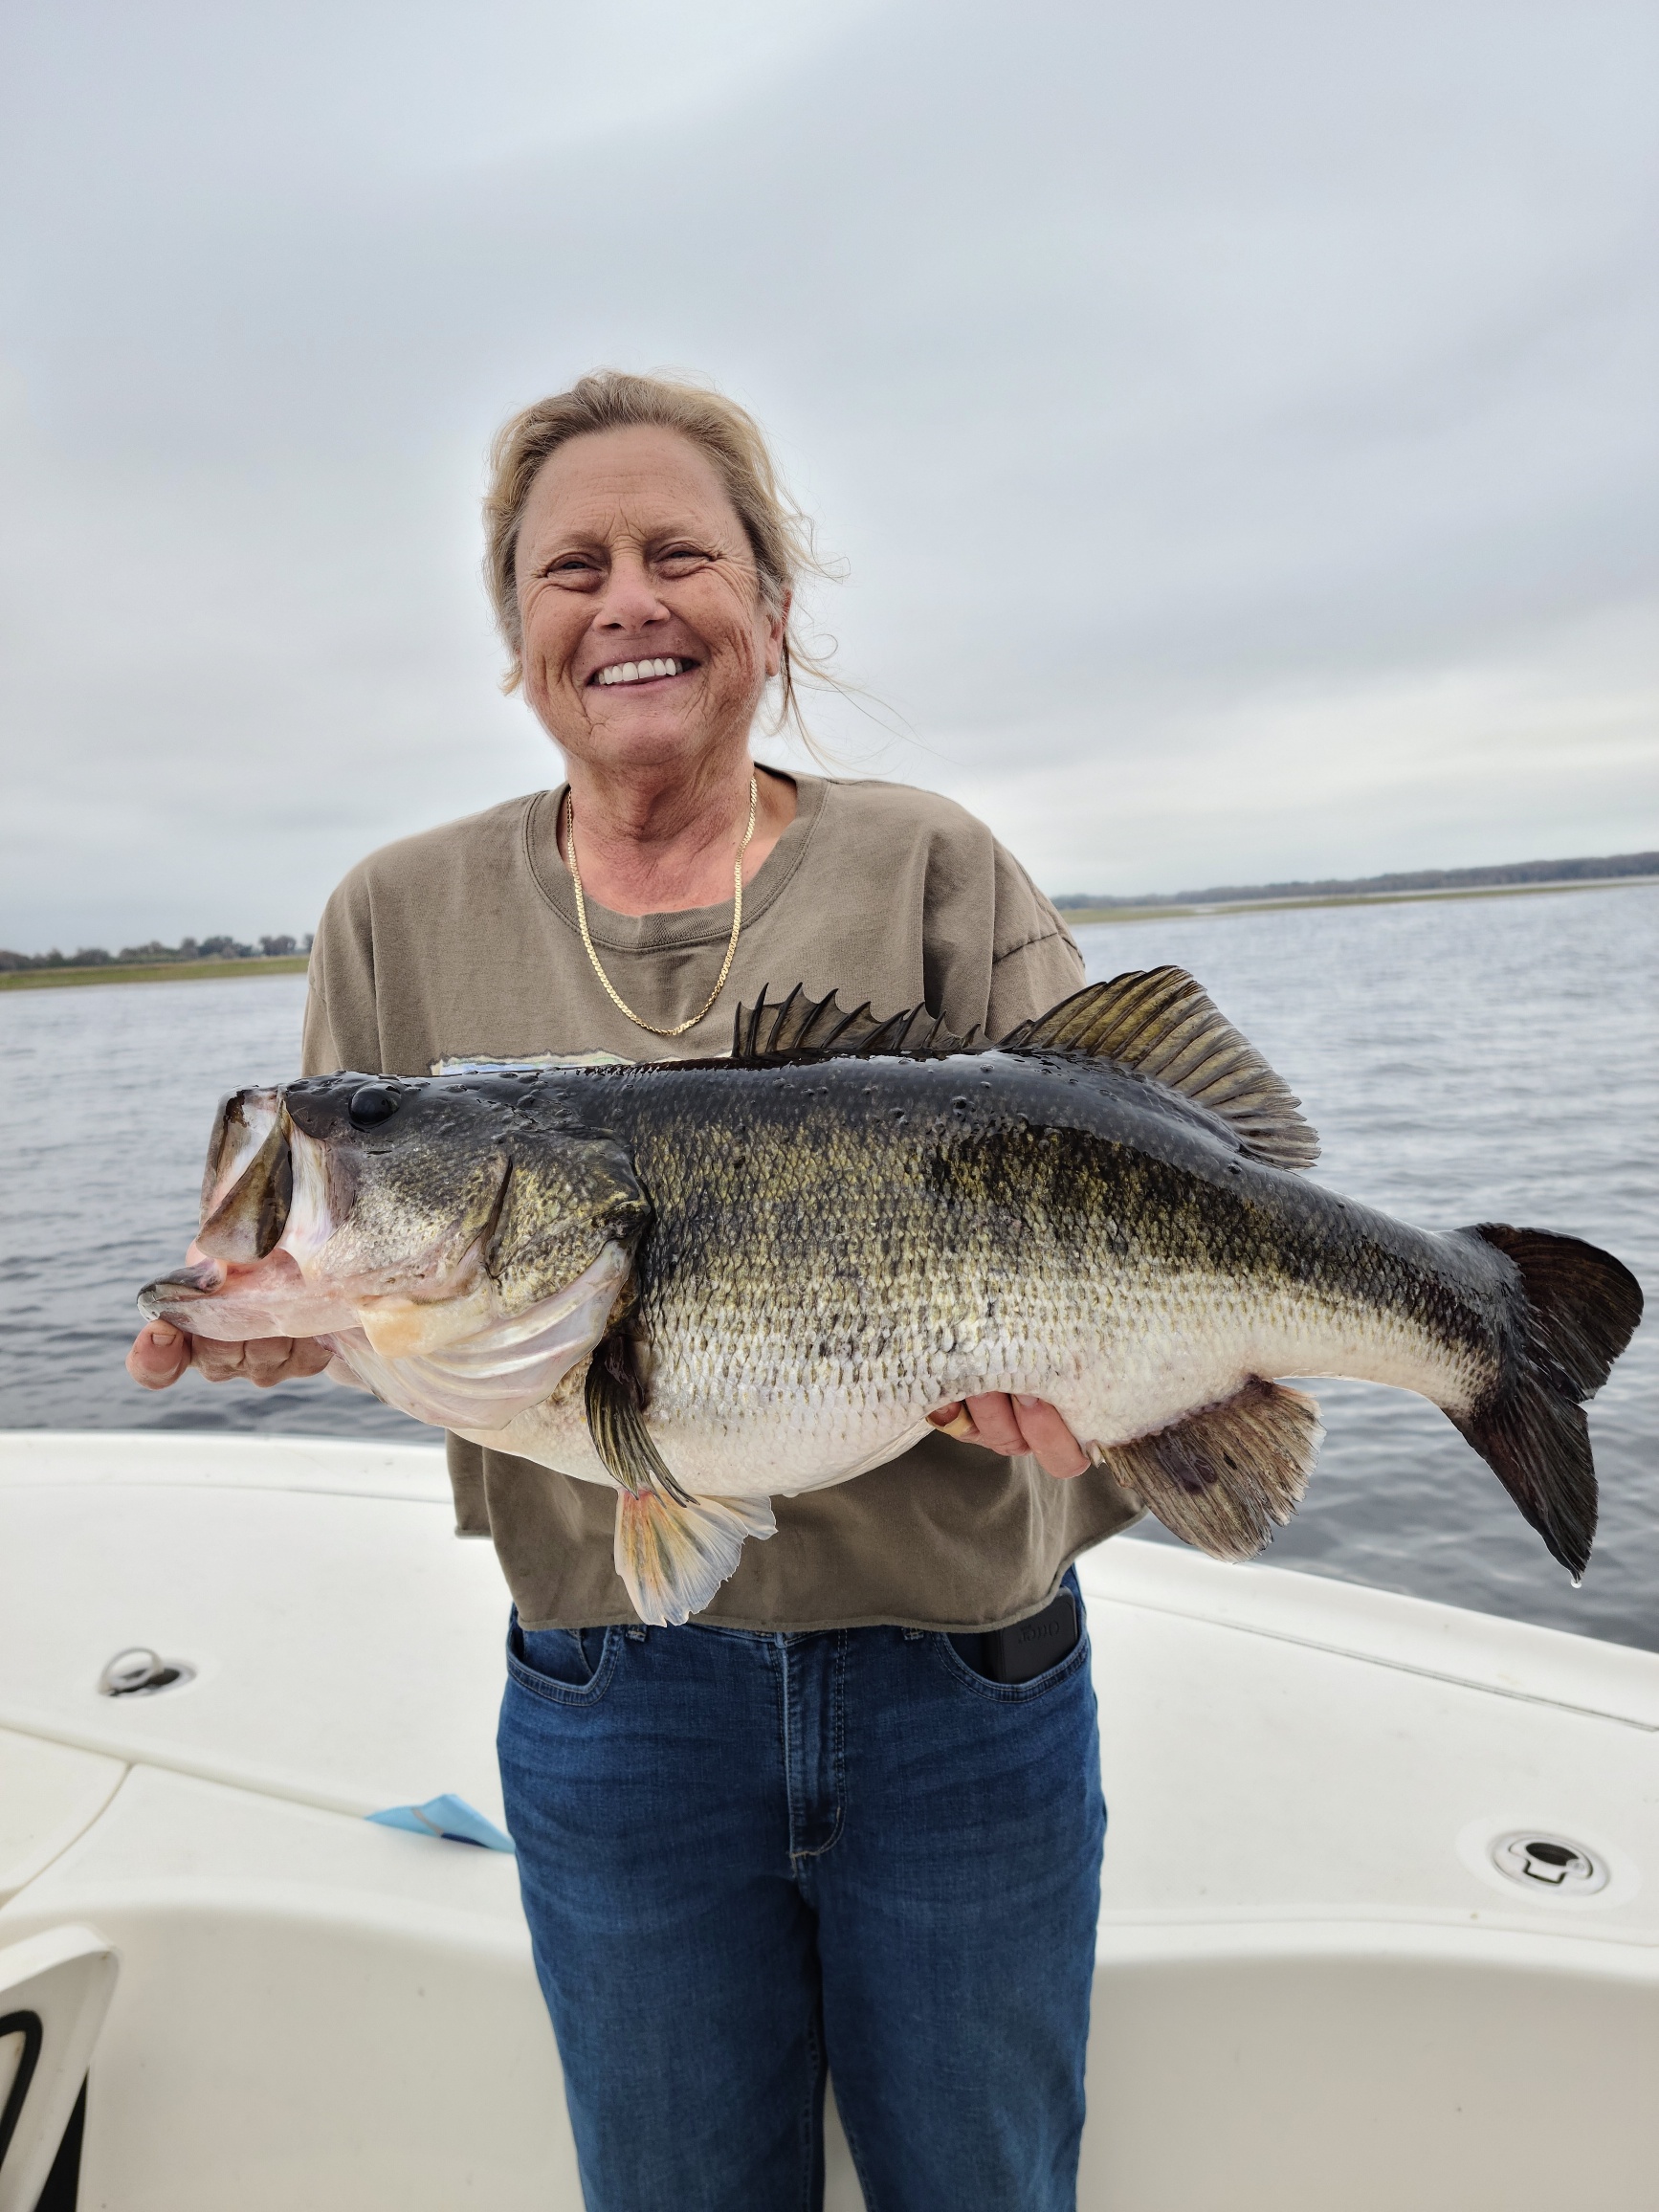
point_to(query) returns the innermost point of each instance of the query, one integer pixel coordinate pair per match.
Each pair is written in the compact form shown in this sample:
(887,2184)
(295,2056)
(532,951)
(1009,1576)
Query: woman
(809,1829)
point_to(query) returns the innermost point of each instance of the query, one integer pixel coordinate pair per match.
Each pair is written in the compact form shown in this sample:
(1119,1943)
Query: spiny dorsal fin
(803,1029)
(1158,1022)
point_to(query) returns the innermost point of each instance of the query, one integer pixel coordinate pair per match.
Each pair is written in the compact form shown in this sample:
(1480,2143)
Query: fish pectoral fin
(672,1558)
(1223,1478)
(615,1399)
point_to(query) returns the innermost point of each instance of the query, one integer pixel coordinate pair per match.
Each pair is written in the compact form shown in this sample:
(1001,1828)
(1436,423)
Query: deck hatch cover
(1540,1860)
(140,1672)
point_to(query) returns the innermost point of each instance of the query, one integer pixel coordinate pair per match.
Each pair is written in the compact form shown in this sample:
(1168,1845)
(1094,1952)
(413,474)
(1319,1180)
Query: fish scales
(831,1256)
(706,1285)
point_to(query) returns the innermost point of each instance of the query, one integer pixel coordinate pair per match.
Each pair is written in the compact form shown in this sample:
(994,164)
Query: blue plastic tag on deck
(448,1817)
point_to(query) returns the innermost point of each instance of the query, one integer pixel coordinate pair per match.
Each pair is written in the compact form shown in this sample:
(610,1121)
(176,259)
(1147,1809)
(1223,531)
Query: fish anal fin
(1163,1025)
(672,1558)
(799,1027)
(1223,1478)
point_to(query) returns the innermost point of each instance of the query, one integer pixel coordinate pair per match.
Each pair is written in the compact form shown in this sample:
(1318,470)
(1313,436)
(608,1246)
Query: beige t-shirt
(463,942)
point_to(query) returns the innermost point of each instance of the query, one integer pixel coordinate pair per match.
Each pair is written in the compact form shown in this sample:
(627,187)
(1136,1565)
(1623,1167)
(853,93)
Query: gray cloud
(1238,421)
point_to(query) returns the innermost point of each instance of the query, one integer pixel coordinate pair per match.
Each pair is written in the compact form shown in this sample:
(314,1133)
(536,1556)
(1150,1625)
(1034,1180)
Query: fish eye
(374,1104)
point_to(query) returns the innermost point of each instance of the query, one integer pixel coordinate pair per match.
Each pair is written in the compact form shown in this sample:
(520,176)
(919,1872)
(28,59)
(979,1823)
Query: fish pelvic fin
(672,1558)
(1225,1478)
(673,1550)
(1581,1307)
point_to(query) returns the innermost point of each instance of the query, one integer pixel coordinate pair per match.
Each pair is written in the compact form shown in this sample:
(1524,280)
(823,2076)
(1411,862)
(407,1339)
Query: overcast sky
(1238,419)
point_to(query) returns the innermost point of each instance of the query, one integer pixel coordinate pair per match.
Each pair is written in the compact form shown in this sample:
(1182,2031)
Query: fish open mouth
(276,1256)
(660,670)
(248,1183)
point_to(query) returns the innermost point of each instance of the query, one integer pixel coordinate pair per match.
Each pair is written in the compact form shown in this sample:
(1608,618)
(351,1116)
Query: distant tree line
(1419,879)
(155,954)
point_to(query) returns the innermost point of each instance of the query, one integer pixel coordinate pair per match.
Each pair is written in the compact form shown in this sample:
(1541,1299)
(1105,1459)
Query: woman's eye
(570,564)
(684,556)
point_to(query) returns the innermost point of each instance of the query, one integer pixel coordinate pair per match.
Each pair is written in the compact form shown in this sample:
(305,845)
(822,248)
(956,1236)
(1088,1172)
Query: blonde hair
(780,535)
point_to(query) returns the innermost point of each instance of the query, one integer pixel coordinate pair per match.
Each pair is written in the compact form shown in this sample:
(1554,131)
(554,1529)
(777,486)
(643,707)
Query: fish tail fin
(1225,1477)
(1580,1310)
(674,1558)
(1537,1443)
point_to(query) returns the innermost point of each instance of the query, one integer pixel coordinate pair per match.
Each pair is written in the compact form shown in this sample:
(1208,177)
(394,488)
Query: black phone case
(1031,1646)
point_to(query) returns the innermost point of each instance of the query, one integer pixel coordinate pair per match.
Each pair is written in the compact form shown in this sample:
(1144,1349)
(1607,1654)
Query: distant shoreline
(178,971)
(1075,917)
(1505,875)
(1086,917)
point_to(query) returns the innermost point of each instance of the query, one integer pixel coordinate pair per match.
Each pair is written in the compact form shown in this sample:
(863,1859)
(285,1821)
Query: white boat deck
(1315,1988)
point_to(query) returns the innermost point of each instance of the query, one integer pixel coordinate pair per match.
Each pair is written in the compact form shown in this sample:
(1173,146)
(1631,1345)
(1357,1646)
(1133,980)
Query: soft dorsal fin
(1159,1023)
(803,1029)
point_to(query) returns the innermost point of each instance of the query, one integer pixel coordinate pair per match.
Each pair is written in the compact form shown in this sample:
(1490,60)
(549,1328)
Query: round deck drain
(141,1673)
(1540,1860)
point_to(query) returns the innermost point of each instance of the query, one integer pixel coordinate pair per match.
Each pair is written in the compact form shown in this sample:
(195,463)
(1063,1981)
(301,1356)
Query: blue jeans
(747,1858)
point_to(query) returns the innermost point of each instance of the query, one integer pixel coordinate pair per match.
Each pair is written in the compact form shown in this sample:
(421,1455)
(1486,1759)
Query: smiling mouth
(640,670)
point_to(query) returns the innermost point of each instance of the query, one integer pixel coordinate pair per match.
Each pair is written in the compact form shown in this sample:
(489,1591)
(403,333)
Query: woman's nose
(630,599)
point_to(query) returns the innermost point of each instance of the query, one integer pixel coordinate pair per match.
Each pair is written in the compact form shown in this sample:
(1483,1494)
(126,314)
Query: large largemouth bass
(706,1284)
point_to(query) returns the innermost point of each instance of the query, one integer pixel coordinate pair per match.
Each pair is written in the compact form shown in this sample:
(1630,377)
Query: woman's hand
(1012,1426)
(161,1354)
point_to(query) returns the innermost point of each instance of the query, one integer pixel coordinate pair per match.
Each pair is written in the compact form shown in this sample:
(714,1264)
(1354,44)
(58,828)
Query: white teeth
(639,670)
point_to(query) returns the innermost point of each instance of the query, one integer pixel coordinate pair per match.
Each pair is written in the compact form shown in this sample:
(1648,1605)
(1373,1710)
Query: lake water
(1462,1061)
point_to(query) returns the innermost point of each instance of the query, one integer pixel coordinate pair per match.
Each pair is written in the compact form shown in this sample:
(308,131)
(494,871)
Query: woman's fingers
(993,1417)
(1012,1426)
(261,1361)
(269,1360)
(160,1355)
(217,1360)
(1046,1433)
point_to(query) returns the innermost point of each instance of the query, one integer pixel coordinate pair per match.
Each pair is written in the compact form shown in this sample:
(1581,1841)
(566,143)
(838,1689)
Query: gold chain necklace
(610,991)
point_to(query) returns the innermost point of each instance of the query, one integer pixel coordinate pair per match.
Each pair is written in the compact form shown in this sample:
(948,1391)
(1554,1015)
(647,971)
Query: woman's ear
(777,624)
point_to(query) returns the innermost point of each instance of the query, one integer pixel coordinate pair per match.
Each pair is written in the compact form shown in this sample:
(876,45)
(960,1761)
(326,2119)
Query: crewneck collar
(691,925)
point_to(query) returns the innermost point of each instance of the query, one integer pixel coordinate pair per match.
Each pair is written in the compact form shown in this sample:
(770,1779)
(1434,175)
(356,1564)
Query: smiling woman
(746,1832)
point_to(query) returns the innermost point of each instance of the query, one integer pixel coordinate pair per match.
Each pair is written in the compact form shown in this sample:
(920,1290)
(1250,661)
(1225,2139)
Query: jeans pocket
(958,1653)
(563,1666)
(1075,1662)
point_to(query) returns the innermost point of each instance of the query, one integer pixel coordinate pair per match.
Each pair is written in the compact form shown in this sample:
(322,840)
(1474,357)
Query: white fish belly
(1141,1360)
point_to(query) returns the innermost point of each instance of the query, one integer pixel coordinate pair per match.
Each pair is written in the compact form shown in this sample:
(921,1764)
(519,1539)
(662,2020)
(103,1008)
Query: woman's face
(647,642)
